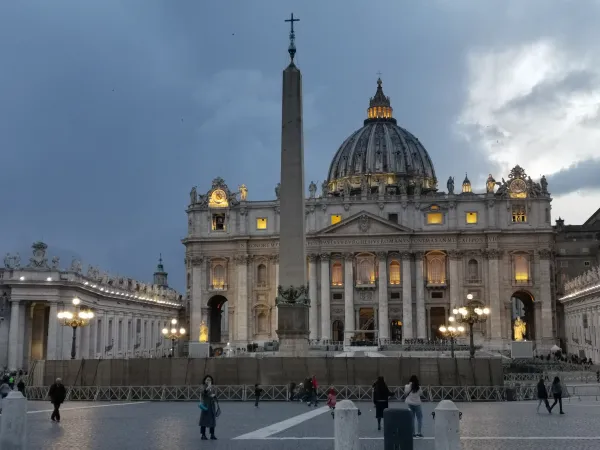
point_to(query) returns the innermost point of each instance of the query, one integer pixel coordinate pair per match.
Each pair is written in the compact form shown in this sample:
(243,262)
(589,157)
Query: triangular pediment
(364,223)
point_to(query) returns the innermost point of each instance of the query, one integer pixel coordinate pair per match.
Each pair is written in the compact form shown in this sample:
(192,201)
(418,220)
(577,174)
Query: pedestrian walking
(557,391)
(293,391)
(413,400)
(542,394)
(209,409)
(4,391)
(257,393)
(331,400)
(315,391)
(381,396)
(57,394)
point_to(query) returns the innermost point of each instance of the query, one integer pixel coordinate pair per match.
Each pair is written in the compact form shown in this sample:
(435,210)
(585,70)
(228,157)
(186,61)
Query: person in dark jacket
(57,394)
(557,391)
(542,395)
(209,407)
(257,393)
(21,387)
(381,395)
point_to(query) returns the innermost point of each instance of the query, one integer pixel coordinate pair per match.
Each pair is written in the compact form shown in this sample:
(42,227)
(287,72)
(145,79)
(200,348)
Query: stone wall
(272,371)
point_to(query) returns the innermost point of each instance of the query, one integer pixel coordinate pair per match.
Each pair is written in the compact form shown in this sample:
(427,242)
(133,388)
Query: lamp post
(173,334)
(470,315)
(452,332)
(79,318)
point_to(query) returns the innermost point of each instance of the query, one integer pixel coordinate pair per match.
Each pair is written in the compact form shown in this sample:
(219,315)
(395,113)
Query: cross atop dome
(379,105)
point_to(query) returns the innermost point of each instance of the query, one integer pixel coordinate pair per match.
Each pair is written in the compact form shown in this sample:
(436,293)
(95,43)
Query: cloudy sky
(110,111)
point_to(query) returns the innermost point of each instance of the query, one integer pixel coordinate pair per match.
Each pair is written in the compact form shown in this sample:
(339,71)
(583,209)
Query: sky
(110,111)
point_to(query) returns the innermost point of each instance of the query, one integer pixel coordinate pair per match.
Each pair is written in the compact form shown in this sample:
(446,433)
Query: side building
(389,255)
(129,314)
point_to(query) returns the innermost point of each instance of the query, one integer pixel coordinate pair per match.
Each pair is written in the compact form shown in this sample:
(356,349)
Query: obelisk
(292,293)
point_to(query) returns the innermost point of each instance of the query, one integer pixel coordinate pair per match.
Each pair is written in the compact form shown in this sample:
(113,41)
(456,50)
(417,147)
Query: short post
(346,426)
(13,424)
(397,429)
(447,426)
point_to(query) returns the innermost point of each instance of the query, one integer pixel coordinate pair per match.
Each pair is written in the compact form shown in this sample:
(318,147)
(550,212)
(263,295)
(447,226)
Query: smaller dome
(466,186)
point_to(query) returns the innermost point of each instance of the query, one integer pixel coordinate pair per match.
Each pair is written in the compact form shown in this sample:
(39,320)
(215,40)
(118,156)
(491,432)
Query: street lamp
(77,319)
(173,334)
(451,331)
(471,315)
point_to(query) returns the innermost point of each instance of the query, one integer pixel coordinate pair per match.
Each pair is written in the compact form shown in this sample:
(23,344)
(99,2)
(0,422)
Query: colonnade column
(407,315)
(348,297)
(313,317)
(125,337)
(383,324)
(494,256)
(454,256)
(325,302)
(241,303)
(545,295)
(197,302)
(276,287)
(421,324)
(52,331)
(13,336)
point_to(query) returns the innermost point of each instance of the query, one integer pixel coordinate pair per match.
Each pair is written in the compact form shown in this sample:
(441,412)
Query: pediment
(364,223)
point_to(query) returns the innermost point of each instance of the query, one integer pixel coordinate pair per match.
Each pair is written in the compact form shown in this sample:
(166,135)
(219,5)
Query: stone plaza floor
(287,426)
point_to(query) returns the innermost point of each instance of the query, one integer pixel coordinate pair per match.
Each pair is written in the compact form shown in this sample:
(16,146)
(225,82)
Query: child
(257,393)
(331,400)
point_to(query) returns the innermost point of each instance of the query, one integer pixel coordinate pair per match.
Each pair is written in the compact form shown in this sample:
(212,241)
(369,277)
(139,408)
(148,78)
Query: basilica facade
(389,254)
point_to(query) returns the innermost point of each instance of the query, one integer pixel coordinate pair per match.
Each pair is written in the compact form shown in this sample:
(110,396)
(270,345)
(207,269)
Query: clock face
(218,198)
(518,186)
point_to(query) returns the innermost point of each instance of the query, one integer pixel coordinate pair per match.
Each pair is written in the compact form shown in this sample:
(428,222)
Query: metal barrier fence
(565,377)
(282,393)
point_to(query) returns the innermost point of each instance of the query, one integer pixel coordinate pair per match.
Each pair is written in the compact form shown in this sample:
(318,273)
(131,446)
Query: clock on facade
(218,199)
(518,188)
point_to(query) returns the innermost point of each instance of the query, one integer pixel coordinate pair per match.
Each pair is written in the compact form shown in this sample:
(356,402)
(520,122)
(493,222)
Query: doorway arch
(215,305)
(523,306)
(337,331)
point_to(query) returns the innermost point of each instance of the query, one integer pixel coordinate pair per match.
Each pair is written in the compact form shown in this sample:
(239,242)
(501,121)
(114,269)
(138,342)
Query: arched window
(394,272)
(337,276)
(337,329)
(436,268)
(261,275)
(473,271)
(365,269)
(218,278)
(521,264)
(262,323)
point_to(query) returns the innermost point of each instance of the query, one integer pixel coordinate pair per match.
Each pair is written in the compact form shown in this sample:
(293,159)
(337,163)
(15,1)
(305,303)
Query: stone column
(546,297)
(197,300)
(407,314)
(454,256)
(325,301)
(348,296)
(241,303)
(93,336)
(52,332)
(313,322)
(429,331)
(13,336)
(276,314)
(494,257)
(126,337)
(421,324)
(384,323)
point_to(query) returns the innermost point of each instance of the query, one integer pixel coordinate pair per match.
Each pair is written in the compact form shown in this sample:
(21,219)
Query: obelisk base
(293,329)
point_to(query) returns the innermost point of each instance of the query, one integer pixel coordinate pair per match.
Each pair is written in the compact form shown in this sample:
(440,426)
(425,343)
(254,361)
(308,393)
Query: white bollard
(13,422)
(346,426)
(447,426)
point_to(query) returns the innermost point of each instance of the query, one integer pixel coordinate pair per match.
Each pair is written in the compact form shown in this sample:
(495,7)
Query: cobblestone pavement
(162,425)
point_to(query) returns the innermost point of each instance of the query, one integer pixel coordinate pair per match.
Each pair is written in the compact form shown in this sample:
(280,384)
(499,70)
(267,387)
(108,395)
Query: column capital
(349,256)
(312,257)
(325,257)
(493,253)
(406,256)
(196,260)
(545,253)
(242,260)
(382,256)
(274,258)
(455,254)
(419,255)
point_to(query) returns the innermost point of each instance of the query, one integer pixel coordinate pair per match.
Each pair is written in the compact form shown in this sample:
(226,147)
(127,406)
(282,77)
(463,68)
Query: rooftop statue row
(39,261)
(587,280)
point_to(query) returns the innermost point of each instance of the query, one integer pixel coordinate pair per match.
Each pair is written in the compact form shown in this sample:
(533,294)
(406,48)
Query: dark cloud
(112,110)
(580,176)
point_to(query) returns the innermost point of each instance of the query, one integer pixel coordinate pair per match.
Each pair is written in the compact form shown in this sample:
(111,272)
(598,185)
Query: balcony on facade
(218,287)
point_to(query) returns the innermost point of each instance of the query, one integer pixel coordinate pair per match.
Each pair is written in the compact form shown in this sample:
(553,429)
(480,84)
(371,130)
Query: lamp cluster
(78,319)
(173,333)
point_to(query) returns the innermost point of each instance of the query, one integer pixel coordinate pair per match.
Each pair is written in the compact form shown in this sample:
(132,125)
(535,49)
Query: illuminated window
(261,223)
(337,277)
(435,208)
(218,277)
(436,268)
(521,263)
(261,275)
(519,214)
(436,218)
(471,217)
(366,270)
(336,218)
(394,272)
(218,222)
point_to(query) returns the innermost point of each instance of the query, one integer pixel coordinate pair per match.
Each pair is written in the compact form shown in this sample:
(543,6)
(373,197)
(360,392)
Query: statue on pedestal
(203,332)
(519,328)
(243,192)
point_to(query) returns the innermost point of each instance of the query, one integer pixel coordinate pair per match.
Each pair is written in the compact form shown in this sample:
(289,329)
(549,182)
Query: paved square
(287,426)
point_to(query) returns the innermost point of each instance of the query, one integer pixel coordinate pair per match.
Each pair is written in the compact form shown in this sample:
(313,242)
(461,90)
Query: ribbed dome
(381,151)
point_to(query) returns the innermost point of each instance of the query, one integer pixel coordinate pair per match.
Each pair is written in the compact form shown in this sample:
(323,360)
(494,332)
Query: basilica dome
(381,155)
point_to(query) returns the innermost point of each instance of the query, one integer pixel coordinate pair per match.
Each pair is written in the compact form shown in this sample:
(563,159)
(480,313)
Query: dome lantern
(466,186)
(379,106)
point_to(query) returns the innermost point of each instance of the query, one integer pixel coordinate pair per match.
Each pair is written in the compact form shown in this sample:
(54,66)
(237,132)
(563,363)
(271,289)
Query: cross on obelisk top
(292,47)
(379,74)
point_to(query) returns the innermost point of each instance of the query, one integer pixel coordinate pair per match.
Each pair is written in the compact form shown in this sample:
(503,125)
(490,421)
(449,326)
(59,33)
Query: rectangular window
(336,218)
(395,295)
(394,272)
(436,218)
(471,217)
(218,222)
(586,263)
(521,263)
(437,294)
(338,297)
(393,217)
(337,277)
(519,214)
(261,223)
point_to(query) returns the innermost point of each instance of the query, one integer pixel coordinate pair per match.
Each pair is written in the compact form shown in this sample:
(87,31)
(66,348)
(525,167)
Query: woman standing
(381,395)
(413,400)
(542,394)
(557,394)
(209,407)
